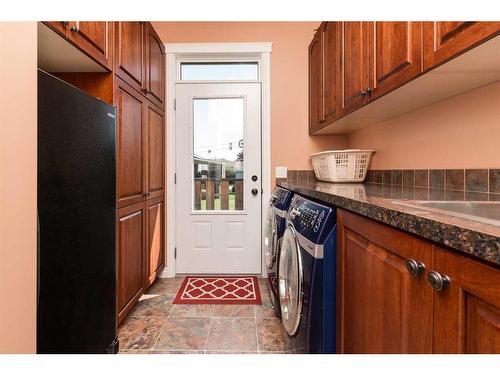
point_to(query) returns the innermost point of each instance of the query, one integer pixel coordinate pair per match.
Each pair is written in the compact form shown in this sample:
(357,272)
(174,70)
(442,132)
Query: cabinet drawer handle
(438,281)
(73,29)
(414,267)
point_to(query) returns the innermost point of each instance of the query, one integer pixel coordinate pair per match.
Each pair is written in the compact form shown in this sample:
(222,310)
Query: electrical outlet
(281,172)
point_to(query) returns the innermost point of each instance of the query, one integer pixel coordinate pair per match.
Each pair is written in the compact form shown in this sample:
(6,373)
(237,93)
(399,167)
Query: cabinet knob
(414,267)
(438,281)
(73,29)
(363,93)
(369,90)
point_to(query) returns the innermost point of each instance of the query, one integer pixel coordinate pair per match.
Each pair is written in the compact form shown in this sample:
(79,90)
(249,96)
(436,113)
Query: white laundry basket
(341,165)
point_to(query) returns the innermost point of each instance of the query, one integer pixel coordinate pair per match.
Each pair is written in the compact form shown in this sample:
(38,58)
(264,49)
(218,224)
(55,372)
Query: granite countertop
(383,203)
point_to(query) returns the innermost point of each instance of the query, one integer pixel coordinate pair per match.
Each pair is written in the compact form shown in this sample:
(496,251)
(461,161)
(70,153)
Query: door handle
(255,191)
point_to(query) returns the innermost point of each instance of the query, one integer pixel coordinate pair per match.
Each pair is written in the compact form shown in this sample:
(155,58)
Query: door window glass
(223,71)
(218,144)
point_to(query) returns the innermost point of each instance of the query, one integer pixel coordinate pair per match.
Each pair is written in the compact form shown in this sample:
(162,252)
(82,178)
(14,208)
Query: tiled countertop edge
(474,243)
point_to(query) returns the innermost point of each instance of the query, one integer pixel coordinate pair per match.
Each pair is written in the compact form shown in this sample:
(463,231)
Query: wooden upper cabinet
(60,27)
(155,123)
(131,136)
(332,70)
(155,67)
(467,312)
(316,82)
(382,307)
(357,64)
(129,53)
(445,40)
(398,55)
(155,257)
(94,38)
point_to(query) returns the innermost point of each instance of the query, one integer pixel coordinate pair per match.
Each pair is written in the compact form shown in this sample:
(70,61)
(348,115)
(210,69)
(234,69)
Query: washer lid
(290,281)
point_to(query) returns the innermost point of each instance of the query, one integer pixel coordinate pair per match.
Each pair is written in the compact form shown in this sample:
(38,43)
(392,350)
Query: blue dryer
(307,276)
(275,227)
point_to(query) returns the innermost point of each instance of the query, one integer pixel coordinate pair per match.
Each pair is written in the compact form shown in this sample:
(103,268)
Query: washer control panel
(281,198)
(310,219)
(311,216)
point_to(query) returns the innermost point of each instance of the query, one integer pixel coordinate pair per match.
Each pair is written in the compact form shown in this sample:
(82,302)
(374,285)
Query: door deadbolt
(254,178)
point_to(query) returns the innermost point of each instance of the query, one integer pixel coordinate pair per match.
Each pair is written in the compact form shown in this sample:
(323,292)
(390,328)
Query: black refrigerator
(76,310)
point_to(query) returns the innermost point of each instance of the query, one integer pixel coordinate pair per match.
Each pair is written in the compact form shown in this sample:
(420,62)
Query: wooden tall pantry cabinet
(132,56)
(139,98)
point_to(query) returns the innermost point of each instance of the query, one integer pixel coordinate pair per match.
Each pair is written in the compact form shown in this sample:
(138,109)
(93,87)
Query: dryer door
(290,281)
(270,237)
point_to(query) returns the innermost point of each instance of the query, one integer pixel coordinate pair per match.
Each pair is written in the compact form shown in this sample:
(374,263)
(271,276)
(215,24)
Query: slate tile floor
(156,326)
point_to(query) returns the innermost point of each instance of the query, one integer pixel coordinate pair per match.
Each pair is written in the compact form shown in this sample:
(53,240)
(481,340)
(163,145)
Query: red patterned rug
(226,290)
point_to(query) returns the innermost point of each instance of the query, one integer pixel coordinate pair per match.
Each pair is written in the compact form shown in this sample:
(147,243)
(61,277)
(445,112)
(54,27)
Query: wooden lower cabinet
(384,308)
(140,251)
(467,312)
(130,236)
(155,241)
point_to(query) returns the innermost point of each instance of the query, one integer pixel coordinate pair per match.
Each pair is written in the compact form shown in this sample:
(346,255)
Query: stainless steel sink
(484,212)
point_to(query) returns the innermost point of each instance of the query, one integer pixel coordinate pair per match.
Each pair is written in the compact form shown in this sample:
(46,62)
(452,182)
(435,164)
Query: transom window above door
(219,71)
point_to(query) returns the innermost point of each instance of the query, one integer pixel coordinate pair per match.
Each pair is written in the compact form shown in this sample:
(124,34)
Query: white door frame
(176,52)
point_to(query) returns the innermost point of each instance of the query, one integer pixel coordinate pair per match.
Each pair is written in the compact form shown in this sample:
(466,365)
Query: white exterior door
(218,189)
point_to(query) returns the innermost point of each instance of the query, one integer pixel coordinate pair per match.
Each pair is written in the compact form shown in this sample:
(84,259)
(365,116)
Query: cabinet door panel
(155,68)
(315,82)
(382,307)
(129,53)
(95,38)
(398,52)
(445,40)
(467,313)
(131,148)
(156,146)
(332,70)
(60,27)
(357,64)
(155,239)
(130,242)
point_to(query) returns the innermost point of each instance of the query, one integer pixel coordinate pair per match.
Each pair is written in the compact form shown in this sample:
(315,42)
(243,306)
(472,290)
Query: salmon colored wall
(290,141)
(460,132)
(18,147)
